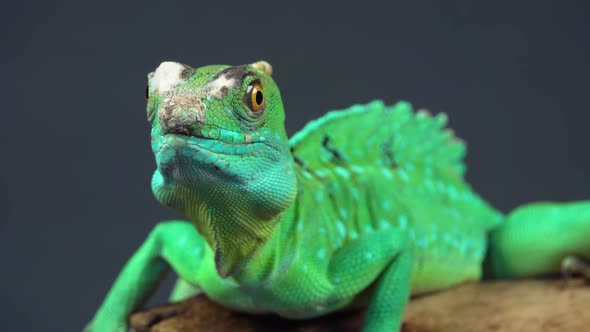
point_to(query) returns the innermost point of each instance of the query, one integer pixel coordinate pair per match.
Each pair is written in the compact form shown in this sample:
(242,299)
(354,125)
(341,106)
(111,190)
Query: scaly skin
(369,200)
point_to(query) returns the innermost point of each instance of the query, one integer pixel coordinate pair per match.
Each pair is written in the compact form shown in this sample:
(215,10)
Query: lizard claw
(571,265)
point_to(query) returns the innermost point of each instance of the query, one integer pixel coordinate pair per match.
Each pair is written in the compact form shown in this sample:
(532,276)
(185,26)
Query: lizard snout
(182,114)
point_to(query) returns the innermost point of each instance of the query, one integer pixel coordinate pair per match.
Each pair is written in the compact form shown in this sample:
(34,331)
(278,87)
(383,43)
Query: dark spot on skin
(238,73)
(224,90)
(179,130)
(167,114)
(300,162)
(173,127)
(335,153)
(387,147)
(186,73)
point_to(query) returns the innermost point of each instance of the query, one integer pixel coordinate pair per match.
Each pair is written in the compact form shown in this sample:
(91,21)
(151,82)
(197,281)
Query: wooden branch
(525,305)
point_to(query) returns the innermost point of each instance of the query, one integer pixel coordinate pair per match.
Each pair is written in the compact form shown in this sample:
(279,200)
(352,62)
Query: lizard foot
(571,265)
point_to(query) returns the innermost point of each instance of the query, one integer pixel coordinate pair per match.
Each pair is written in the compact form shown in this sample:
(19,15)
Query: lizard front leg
(384,259)
(182,290)
(176,244)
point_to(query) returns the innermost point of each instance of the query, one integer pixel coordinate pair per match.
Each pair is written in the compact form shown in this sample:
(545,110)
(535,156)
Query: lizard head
(222,154)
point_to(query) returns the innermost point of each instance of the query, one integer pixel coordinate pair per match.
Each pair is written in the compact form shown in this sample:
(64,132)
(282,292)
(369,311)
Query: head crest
(264,66)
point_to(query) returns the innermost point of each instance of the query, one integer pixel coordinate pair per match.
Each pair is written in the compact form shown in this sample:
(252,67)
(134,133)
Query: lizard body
(363,207)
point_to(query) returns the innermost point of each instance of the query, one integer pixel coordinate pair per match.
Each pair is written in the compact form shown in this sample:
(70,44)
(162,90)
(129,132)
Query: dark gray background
(76,162)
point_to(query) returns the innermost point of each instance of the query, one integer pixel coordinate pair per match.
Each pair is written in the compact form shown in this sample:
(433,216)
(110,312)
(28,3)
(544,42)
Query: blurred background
(76,162)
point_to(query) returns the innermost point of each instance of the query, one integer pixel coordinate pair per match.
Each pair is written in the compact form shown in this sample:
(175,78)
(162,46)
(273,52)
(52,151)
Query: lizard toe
(573,265)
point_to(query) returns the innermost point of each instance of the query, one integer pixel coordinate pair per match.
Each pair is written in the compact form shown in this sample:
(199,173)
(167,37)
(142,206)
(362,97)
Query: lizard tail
(537,238)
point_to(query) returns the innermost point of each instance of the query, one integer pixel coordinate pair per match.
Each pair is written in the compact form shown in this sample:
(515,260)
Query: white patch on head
(166,76)
(215,88)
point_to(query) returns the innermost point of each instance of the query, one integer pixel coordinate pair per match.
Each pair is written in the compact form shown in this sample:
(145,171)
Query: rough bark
(526,305)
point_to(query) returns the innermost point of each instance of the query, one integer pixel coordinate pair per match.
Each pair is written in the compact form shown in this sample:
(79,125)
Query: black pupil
(258,97)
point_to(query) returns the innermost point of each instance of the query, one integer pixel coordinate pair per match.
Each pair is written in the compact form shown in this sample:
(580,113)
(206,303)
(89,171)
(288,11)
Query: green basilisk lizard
(363,207)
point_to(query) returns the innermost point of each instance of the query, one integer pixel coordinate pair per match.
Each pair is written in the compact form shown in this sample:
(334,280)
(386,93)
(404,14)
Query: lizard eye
(255,98)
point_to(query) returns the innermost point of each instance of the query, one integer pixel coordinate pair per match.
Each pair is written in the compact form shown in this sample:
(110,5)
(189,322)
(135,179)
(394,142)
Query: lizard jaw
(191,146)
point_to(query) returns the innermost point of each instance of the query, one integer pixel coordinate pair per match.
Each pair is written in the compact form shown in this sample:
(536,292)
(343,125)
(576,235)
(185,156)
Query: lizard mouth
(212,141)
(180,156)
(218,134)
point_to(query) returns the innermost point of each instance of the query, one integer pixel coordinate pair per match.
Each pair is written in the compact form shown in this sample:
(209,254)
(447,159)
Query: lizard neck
(295,231)
(273,257)
(236,216)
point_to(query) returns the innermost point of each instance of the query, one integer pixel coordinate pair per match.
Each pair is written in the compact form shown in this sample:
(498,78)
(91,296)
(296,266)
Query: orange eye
(255,97)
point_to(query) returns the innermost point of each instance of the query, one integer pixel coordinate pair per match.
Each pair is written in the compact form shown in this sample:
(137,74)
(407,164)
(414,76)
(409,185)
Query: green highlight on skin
(369,200)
